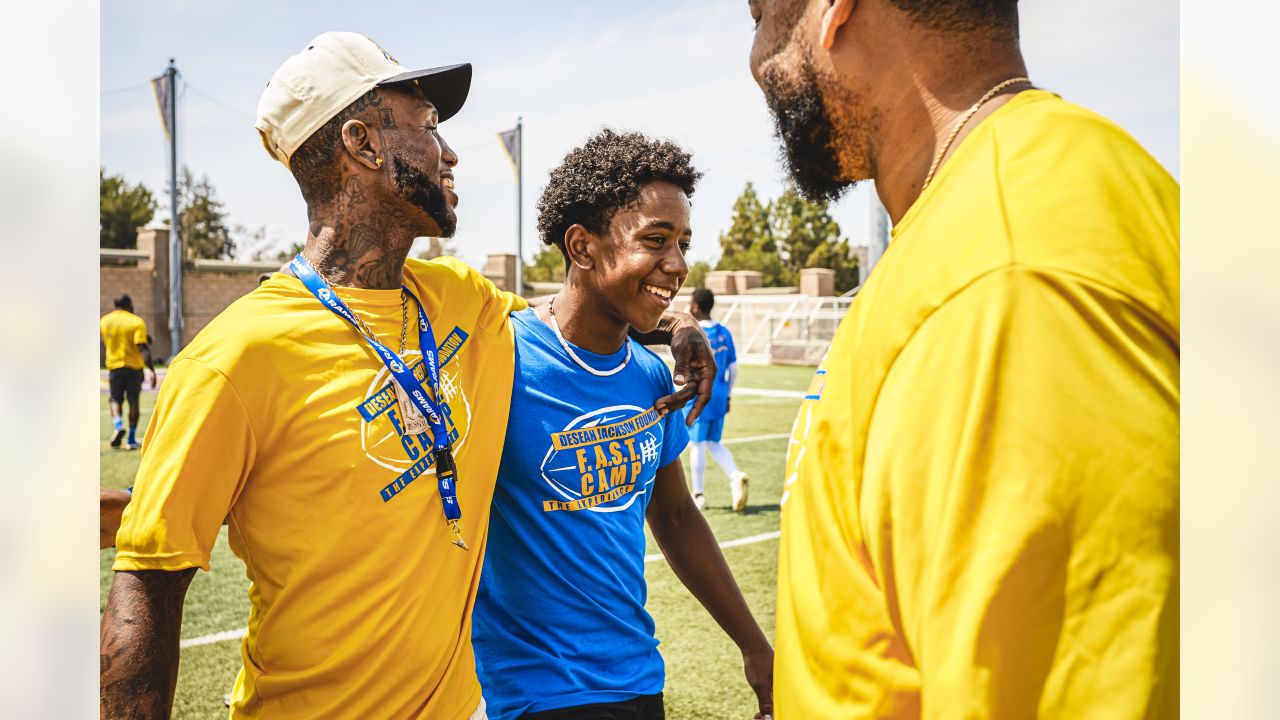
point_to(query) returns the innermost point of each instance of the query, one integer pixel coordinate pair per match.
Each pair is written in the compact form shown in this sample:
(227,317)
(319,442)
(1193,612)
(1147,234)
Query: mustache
(425,193)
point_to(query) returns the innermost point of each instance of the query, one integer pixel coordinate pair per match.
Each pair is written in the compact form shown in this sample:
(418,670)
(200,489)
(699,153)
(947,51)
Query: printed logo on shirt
(800,430)
(381,429)
(603,460)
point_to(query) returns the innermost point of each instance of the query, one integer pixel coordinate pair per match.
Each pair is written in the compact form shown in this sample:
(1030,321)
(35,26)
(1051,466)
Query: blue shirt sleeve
(728,341)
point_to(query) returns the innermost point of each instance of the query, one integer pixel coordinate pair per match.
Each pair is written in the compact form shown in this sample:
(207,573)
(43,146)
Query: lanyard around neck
(409,383)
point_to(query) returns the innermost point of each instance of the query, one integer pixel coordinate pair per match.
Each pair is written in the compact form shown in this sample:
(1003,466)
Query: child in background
(704,436)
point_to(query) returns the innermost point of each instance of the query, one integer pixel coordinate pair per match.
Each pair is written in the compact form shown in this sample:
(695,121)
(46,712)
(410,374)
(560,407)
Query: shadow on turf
(748,510)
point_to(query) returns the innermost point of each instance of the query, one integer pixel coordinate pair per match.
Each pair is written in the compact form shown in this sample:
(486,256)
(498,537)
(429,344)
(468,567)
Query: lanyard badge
(418,410)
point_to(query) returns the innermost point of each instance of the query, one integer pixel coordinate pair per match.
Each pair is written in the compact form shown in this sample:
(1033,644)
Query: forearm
(694,555)
(139,643)
(111,504)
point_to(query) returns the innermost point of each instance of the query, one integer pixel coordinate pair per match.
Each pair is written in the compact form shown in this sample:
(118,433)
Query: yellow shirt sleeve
(140,332)
(197,456)
(1021,501)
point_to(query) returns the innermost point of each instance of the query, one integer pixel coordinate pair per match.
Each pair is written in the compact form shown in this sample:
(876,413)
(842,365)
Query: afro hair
(605,175)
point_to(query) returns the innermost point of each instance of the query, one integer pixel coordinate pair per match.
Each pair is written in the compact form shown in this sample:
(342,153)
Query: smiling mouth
(663,293)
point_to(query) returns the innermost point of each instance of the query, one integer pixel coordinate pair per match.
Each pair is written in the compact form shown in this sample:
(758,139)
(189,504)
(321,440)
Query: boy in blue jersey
(704,436)
(560,628)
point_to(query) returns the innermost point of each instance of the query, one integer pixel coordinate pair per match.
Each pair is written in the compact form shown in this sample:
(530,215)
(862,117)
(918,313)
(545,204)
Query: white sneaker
(738,484)
(700,501)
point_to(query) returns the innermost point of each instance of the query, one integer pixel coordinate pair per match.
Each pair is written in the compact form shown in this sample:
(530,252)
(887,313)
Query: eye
(684,247)
(659,239)
(429,127)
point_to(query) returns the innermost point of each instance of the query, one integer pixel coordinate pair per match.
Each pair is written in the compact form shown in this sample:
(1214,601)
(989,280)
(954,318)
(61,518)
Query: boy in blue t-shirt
(705,434)
(560,628)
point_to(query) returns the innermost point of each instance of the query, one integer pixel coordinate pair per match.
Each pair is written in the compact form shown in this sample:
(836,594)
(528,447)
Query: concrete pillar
(817,282)
(155,242)
(502,266)
(748,279)
(722,282)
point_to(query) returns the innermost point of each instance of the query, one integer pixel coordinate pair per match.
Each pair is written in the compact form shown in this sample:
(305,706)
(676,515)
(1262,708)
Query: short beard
(802,124)
(419,190)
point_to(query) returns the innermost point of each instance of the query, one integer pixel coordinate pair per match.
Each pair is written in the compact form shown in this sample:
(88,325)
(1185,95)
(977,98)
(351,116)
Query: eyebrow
(664,225)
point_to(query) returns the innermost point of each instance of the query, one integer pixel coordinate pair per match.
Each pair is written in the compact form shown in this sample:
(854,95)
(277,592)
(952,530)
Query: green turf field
(704,669)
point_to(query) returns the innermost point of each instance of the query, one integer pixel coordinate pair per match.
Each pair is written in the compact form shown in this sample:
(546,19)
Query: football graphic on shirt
(602,460)
(380,426)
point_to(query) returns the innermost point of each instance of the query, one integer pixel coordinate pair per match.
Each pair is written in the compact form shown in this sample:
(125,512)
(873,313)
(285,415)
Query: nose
(674,264)
(447,155)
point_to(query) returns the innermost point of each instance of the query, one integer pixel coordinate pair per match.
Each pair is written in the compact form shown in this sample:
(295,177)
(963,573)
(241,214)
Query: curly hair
(605,175)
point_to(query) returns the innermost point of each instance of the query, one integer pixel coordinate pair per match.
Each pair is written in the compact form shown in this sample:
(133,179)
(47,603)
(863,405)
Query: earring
(378,161)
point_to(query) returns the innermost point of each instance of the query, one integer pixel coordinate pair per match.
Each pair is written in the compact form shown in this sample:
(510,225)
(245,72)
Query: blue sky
(672,69)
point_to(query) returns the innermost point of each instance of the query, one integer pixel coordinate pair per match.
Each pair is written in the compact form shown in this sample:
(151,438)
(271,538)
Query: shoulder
(654,367)
(450,274)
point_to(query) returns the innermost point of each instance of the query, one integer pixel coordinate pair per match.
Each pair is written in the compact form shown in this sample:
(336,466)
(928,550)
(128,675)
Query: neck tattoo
(555,326)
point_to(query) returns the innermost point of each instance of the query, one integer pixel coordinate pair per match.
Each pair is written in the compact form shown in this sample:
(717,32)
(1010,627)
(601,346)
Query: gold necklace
(955,129)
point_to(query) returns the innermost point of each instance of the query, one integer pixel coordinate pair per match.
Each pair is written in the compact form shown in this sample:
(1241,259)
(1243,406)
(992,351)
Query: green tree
(202,221)
(808,237)
(122,209)
(749,243)
(697,274)
(749,228)
(547,266)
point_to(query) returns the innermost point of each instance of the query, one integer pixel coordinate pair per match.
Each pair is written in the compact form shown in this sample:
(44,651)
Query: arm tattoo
(138,654)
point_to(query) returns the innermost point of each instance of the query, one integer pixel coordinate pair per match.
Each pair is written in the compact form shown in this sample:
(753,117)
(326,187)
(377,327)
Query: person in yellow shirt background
(980,506)
(125,337)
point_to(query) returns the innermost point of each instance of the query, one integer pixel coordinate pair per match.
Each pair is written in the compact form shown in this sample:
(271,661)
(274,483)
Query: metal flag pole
(519,203)
(175,238)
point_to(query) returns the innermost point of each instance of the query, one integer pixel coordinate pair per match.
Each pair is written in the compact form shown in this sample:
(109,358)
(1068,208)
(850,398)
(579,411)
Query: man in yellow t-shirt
(980,507)
(287,416)
(125,337)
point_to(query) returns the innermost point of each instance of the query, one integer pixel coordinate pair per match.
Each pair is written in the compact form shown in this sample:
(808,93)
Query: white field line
(216,637)
(766,392)
(755,438)
(237,634)
(729,543)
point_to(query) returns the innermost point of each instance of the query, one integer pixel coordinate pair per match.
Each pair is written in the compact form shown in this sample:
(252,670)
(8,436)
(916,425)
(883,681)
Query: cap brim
(446,87)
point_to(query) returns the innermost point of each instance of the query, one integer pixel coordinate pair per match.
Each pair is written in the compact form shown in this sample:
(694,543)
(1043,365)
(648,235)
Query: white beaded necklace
(551,310)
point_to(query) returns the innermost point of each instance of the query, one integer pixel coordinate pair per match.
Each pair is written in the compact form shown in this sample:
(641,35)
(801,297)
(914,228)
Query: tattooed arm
(695,363)
(139,643)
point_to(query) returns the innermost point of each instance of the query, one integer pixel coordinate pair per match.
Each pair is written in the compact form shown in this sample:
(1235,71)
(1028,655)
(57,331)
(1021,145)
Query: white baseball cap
(332,72)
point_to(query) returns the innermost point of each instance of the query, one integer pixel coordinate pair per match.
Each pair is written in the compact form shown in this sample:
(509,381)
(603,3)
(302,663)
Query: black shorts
(125,382)
(645,707)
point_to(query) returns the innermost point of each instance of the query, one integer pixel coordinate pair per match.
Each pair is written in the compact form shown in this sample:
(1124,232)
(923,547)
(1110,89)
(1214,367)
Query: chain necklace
(955,129)
(551,310)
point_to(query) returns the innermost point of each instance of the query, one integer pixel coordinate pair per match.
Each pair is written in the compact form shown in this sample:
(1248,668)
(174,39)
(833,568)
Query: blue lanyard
(446,471)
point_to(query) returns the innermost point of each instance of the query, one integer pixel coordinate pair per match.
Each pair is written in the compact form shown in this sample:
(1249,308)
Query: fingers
(675,401)
(705,383)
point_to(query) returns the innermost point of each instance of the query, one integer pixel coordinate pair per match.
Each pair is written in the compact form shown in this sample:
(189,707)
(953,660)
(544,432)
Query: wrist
(758,644)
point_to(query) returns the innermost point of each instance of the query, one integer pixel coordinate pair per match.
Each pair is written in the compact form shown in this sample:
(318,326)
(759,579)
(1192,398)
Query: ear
(580,245)
(362,145)
(834,18)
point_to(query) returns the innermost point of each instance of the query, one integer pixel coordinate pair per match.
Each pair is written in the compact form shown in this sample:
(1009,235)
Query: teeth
(447,182)
(662,292)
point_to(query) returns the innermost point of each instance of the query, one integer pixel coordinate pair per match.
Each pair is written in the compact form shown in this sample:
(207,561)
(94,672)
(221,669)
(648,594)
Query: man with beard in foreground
(980,514)
(346,421)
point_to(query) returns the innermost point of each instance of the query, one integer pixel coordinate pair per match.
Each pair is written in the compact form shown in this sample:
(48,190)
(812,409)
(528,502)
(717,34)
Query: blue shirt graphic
(559,618)
(722,347)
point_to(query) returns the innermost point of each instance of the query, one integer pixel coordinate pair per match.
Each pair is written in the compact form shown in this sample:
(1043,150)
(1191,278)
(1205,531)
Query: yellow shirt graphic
(980,514)
(122,333)
(278,418)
